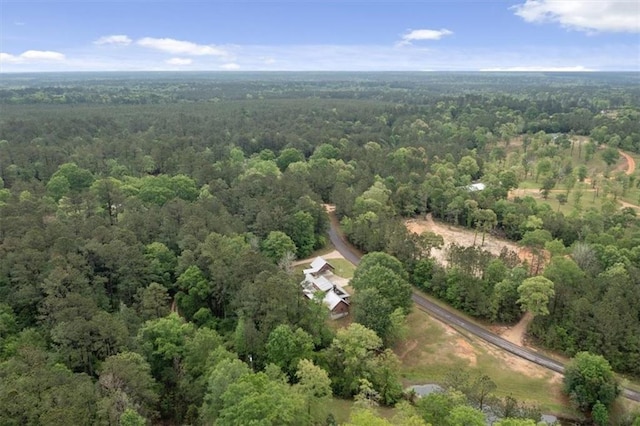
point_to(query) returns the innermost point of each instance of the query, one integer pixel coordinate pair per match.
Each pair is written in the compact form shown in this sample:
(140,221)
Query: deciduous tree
(589,380)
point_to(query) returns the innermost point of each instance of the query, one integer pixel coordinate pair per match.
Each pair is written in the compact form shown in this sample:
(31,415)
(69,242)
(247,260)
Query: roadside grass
(432,350)
(629,383)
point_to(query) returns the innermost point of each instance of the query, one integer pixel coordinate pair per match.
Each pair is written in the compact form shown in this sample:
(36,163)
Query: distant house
(479,186)
(317,280)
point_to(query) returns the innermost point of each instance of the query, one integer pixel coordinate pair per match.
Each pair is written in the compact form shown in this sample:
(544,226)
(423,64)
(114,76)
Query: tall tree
(286,347)
(315,386)
(589,380)
(535,294)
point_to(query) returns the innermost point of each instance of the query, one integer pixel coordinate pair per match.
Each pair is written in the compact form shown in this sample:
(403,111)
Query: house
(338,307)
(319,266)
(317,281)
(479,186)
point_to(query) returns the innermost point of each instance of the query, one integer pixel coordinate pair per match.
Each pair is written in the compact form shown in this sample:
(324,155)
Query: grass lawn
(341,410)
(587,201)
(431,350)
(344,268)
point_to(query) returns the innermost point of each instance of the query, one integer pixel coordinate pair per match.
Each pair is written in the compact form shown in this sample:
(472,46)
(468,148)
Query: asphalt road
(453,319)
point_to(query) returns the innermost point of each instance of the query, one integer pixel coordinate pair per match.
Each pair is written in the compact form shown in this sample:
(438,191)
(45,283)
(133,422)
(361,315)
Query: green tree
(223,374)
(325,151)
(79,179)
(162,263)
(535,294)
(468,166)
(386,377)
(349,357)
(373,310)
(131,418)
(163,342)
(536,239)
(286,347)
(505,295)
(366,417)
(315,386)
(58,187)
(390,285)
(257,399)
(485,219)
(301,228)
(481,390)
(34,390)
(582,172)
(464,415)
(277,245)
(153,301)
(372,259)
(610,156)
(288,156)
(125,382)
(108,193)
(600,414)
(589,379)
(194,291)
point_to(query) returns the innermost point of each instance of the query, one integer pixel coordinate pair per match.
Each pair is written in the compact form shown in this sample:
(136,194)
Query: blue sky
(562,35)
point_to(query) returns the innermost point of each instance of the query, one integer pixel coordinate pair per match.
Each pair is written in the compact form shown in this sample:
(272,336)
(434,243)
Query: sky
(319,35)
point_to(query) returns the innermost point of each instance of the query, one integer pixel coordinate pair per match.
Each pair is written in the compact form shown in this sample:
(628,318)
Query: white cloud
(590,16)
(424,35)
(179,61)
(179,47)
(578,68)
(231,66)
(115,40)
(619,56)
(31,56)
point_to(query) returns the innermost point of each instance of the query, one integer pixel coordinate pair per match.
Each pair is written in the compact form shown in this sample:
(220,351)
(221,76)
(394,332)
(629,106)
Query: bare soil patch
(625,204)
(461,236)
(516,333)
(331,255)
(407,347)
(472,349)
(631,163)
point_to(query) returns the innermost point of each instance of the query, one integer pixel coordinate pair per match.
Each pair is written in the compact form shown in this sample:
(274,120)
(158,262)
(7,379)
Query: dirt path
(331,255)
(516,333)
(631,163)
(625,204)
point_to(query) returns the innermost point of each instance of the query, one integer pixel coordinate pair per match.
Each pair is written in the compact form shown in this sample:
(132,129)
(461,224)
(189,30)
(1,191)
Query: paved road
(451,318)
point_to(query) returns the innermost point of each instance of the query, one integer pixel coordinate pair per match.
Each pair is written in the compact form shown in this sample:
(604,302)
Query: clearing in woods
(463,237)
(432,349)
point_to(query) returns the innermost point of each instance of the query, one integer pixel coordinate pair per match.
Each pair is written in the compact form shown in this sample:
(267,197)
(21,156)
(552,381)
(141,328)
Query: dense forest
(148,224)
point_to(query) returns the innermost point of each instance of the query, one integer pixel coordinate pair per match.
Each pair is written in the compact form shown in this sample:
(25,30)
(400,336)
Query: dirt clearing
(461,236)
(631,163)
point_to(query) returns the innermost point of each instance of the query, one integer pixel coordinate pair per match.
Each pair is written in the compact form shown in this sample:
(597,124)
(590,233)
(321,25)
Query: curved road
(451,318)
